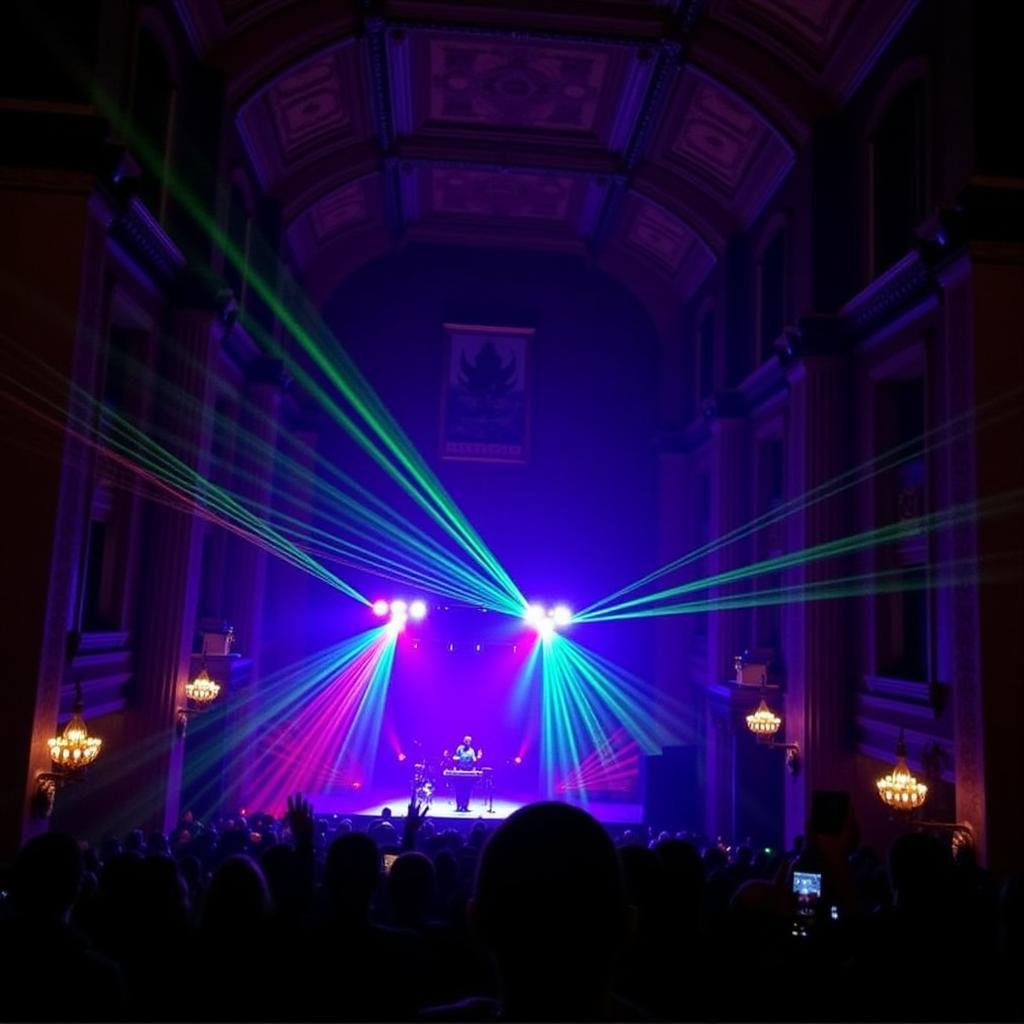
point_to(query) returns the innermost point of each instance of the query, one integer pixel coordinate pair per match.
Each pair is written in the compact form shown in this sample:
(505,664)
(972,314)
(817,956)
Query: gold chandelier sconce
(764,724)
(72,750)
(903,794)
(899,790)
(200,693)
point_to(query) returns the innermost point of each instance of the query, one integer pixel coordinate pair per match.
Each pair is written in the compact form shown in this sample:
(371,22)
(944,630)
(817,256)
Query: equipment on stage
(423,783)
(470,776)
(427,778)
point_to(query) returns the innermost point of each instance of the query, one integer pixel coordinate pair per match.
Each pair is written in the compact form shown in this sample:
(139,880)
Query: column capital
(724,405)
(817,334)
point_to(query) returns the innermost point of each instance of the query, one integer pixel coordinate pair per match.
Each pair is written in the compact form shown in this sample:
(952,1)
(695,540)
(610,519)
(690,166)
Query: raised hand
(300,819)
(414,815)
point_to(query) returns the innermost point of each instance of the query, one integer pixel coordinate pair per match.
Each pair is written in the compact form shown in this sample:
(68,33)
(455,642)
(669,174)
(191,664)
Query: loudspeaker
(670,790)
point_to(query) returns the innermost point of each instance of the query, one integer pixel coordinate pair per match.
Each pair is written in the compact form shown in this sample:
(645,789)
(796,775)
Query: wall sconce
(899,790)
(200,693)
(961,832)
(71,752)
(764,724)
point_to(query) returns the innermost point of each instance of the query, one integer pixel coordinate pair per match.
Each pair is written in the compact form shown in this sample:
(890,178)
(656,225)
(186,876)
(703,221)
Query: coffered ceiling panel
(720,143)
(582,94)
(319,106)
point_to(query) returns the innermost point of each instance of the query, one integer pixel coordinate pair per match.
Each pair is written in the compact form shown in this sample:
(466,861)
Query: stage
(370,803)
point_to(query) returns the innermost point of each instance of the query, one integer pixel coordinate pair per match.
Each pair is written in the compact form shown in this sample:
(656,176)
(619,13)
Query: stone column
(981,363)
(730,480)
(169,591)
(719,768)
(246,576)
(51,319)
(730,485)
(818,683)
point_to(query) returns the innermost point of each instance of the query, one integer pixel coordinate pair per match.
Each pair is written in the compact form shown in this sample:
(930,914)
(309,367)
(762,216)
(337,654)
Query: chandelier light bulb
(764,721)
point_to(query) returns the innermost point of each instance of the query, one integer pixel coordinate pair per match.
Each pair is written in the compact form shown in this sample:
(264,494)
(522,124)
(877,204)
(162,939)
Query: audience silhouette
(548,916)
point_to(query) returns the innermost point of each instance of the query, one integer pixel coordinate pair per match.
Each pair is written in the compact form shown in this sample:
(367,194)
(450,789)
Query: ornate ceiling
(642,133)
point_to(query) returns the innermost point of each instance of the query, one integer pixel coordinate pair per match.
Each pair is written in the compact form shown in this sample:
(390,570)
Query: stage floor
(370,803)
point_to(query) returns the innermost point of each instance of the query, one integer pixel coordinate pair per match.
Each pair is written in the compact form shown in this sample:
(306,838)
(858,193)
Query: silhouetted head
(135,842)
(684,873)
(110,847)
(467,741)
(238,900)
(157,843)
(383,833)
(192,871)
(386,813)
(1011,919)
(47,875)
(353,871)
(279,863)
(411,888)
(162,893)
(642,874)
(714,859)
(446,871)
(549,905)
(757,919)
(920,871)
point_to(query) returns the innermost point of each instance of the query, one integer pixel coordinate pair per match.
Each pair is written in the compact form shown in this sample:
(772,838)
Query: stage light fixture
(546,620)
(418,609)
(534,614)
(380,608)
(399,607)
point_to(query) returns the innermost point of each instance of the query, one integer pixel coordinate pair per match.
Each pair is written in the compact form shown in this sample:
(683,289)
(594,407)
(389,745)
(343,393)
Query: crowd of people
(547,916)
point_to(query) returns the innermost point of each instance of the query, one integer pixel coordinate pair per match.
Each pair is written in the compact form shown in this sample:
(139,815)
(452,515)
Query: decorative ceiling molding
(641,132)
(319,106)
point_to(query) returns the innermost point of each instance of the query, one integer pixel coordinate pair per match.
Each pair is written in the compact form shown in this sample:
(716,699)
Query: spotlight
(562,615)
(517,759)
(534,614)
(398,607)
(418,609)
(395,625)
(380,608)
(546,627)
(401,757)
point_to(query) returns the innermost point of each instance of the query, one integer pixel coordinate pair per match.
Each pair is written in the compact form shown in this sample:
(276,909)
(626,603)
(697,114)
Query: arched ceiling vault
(642,133)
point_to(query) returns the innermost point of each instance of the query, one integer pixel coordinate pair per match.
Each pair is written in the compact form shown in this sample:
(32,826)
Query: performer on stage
(465,760)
